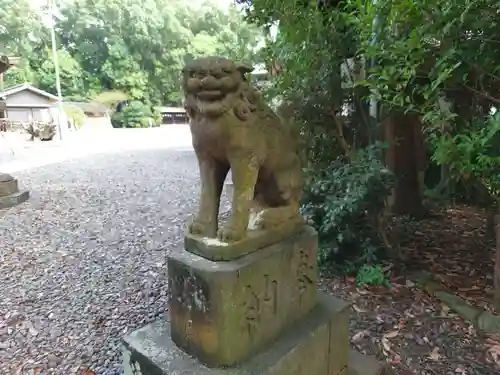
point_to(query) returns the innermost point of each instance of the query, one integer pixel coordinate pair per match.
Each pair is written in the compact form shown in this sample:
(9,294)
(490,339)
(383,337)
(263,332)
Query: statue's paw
(202,229)
(258,222)
(229,234)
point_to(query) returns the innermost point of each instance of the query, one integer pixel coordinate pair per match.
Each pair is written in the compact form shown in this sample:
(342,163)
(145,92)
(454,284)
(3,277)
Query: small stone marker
(245,301)
(9,192)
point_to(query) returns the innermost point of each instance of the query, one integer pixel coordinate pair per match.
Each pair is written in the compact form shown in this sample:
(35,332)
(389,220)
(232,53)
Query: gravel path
(83,261)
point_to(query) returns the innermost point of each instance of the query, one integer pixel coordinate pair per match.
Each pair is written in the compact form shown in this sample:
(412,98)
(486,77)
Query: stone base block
(216,250)
(316,345)
(8,187)
(14,199)
(360,364)
(223,312)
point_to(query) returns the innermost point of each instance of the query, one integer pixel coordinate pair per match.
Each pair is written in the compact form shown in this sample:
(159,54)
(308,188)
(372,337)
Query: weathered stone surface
(10,195)
(339,336)
(8,187)
(481,319)
(233,128)
(360,364)
(214,249)
(5,177)
(14,199)
(223,312)
(303,349)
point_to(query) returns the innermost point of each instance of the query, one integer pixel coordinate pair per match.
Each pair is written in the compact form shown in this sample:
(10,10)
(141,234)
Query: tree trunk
(407,159)
(445,180)
(496,271)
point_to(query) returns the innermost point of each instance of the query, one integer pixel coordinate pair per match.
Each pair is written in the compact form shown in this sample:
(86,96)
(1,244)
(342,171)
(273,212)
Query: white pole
(56,66)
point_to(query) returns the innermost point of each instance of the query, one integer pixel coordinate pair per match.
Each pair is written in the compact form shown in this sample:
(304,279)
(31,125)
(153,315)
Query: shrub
(110,98)
(343,202)
(134,115)
(75,113)
(372,275)
(156,117)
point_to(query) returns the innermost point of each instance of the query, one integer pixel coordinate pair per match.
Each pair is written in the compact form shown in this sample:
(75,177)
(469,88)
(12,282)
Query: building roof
(26,86)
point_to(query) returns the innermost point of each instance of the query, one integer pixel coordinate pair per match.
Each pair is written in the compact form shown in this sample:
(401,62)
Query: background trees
(432,70)
(136,47)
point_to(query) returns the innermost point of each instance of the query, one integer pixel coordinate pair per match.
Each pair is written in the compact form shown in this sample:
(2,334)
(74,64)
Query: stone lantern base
(10,195)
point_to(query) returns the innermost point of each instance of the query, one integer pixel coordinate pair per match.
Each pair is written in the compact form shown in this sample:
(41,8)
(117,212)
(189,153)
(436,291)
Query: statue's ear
(244,68)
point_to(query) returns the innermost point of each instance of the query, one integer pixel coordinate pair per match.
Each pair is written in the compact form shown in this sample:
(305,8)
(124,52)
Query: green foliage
(134,115)
(70,73)
(347,183)
(435,59)
(474,154)
(75,113)
(18,75)
(428,54)
(139,46)
(20,28)
(156,117)
(343,202)
(134,46)
(426,49)
(110,99)
(371,275)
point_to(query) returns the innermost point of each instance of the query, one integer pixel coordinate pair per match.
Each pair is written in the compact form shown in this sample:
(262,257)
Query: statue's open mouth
(210,95)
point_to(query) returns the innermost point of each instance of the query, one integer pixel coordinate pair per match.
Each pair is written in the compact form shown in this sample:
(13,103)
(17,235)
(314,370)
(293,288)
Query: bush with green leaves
(75,114)
(474,154)
(372,275)
(347,182)
(157,117)
(133,115)
(343,202)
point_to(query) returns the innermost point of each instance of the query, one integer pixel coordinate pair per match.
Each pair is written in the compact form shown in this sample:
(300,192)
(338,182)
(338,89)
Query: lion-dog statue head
(216,85)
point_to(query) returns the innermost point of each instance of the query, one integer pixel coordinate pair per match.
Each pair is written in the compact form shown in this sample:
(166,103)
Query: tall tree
(21,27)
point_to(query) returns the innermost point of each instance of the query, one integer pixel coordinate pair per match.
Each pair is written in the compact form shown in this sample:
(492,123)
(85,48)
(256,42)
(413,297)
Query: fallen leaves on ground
(494,349)
(414,332)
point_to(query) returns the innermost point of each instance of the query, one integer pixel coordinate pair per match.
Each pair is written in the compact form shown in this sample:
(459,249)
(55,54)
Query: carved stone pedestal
(259,314)
(9,192)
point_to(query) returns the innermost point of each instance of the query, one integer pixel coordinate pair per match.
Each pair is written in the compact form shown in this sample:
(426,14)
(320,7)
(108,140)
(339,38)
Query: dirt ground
(413,331)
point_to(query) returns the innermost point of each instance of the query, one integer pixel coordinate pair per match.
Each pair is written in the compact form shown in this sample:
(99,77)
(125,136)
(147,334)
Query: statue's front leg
(212,175)
(244,171)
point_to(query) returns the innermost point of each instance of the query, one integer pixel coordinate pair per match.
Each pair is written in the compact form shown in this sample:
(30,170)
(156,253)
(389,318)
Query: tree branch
(483,94)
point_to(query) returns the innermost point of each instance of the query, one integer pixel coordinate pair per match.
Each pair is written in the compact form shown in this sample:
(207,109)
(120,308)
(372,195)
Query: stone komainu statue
(232,128)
